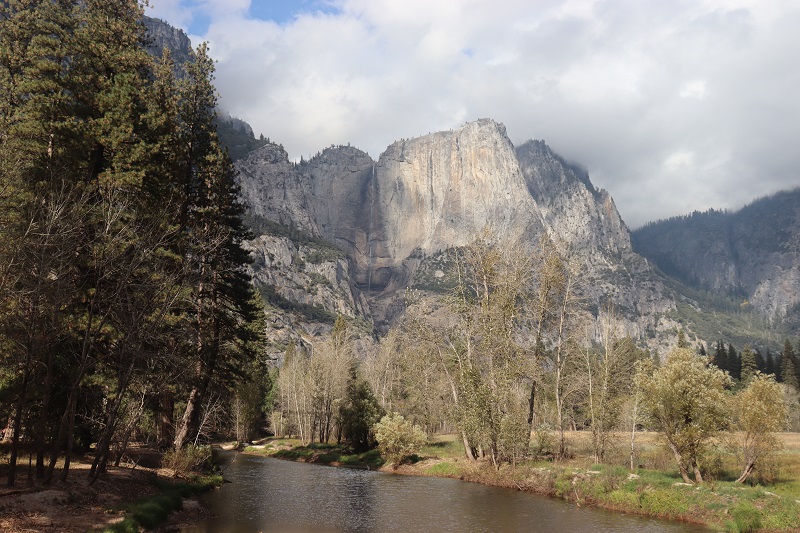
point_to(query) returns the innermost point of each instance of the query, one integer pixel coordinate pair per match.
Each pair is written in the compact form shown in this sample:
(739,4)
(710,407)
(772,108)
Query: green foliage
(749,367)
(187,459)
(789,366)
(397,438)
(664,502)
(326,454)
(758,414)
(359,413)
(746,518)
(115,186)
(151,511)
(687,402)
(545,440)
(444,469)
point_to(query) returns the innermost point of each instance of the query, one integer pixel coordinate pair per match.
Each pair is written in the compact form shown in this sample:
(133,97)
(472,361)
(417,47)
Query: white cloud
(621,86)
(694,89)
(173,11)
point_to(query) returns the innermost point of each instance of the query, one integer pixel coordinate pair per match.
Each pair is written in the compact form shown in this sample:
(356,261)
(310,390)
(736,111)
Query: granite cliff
(394,219)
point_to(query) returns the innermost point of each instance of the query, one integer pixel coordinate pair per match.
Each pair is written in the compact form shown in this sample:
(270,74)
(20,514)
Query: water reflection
(281,496)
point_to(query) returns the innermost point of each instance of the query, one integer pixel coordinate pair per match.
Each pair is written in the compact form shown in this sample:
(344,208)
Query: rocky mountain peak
(161,35)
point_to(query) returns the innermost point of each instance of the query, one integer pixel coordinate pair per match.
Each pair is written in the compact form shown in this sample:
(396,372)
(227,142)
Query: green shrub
(664,502)
(624,499)
(563,484)
(186,459)
(398,438)
(545,440)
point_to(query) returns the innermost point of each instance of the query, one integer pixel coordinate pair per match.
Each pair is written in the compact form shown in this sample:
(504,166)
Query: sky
(671,105)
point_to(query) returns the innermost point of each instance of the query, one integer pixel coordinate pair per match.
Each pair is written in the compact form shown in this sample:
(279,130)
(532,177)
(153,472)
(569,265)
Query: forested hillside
(124,296)
(752,254)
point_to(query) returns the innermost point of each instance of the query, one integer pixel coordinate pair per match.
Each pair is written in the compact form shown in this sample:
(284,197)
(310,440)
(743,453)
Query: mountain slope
(752,255)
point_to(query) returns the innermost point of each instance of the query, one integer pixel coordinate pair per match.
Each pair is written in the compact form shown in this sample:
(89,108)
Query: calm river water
(270,495)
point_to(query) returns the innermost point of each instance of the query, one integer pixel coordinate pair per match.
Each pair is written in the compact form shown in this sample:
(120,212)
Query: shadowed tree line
(124,298)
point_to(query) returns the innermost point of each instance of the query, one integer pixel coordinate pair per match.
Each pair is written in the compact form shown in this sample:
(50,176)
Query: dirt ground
(74,506)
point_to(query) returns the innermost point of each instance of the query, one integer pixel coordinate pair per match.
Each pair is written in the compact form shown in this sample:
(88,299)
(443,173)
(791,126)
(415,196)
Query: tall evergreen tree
(769,363)
(761,361)
(734,363)
(219,305)
(720,357)
(749,367)
(788,365)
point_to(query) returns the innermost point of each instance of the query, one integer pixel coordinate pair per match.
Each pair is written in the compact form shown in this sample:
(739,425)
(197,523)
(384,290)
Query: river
(271,495)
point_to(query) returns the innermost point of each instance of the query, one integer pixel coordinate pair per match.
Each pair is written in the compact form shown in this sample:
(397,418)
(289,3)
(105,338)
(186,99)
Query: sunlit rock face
(343,234)
(441,190)
(433,193)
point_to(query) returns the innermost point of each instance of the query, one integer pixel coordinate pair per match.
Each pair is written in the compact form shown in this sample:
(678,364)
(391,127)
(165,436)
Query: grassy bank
(771,502)
(319,453)
(153,510)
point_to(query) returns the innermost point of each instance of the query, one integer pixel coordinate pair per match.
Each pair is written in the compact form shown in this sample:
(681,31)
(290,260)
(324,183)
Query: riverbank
(124,498)
(657,492)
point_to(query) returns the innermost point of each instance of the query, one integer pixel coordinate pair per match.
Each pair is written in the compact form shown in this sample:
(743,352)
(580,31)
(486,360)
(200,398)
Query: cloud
(672,106)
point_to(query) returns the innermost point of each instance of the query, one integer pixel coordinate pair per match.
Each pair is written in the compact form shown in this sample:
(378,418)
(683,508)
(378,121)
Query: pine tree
(720,357)
(769,364)
(761,361)
(116,200)
(788,365)
(734,363)
(216,260)
(749,366)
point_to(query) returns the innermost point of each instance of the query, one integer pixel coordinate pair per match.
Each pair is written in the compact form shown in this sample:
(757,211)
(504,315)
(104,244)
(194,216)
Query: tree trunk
(697,475)
(681,465)
(190,417)
(104,444)
(748,469)
(467,447)
(634,416)
(166,418)
(531,405)
(17,427)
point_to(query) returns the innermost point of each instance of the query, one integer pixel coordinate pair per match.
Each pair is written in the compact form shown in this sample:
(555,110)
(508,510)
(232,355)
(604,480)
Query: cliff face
(752,254)
(161,35)
(574,211)
(393,219)
(441,190)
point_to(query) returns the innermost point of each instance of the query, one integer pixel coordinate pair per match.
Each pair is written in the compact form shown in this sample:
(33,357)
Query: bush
(186,459)
(397,438)
(545,440)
